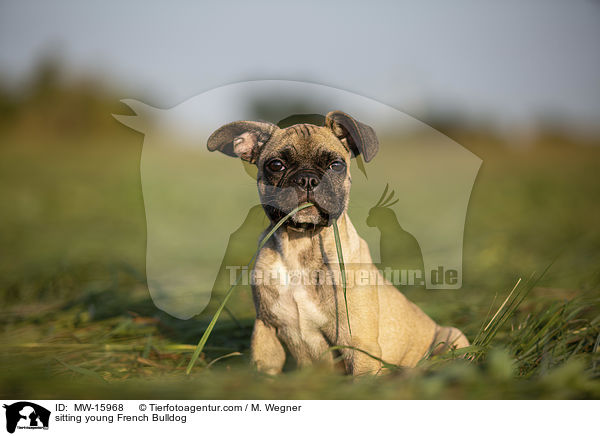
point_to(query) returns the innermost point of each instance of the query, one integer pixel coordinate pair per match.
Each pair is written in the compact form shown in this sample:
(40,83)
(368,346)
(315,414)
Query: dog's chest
(298,305)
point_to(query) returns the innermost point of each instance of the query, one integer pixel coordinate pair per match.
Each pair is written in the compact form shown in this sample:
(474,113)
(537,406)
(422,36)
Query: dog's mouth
(309,218)
(302,227)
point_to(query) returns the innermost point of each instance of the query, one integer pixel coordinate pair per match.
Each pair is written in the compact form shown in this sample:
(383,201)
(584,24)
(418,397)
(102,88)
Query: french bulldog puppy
(309,163)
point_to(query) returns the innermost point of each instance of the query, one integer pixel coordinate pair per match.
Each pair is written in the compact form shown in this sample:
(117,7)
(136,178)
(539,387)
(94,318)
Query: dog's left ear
(357,137)
(242,139)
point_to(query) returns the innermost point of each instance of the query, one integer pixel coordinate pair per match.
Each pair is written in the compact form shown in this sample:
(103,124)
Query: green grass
(77,320)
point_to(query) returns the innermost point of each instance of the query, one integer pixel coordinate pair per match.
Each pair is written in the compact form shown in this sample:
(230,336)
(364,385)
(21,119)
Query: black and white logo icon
(26,415)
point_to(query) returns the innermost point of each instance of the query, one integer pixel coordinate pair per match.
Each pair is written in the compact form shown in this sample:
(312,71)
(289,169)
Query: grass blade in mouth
(340,255)
(215,317)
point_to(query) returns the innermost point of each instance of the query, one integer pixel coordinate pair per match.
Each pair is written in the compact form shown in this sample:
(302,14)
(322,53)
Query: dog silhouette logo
(26,415)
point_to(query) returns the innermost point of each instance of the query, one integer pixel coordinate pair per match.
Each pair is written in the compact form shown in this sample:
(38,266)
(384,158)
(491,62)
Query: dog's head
(300,163)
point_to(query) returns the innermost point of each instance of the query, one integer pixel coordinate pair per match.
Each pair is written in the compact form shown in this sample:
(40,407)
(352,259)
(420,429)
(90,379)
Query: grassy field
(78,322)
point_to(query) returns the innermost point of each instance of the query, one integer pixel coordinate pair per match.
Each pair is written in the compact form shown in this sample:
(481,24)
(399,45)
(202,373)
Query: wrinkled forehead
(308,140)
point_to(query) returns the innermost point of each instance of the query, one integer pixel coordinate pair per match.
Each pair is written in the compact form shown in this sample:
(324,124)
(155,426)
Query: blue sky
(510,60)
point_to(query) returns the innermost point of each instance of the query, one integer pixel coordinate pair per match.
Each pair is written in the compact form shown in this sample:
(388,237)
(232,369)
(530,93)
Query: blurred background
(516,83)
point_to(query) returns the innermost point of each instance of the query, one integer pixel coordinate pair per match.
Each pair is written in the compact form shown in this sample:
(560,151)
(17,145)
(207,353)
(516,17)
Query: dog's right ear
(242,139)
(356,137)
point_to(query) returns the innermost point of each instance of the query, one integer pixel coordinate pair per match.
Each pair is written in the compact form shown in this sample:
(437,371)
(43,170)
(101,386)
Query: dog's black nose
(306,181)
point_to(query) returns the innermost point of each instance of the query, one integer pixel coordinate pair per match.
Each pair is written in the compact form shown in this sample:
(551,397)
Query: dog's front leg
(268,355)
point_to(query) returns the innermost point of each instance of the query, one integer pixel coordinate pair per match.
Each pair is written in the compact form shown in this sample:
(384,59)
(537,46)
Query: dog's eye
(338,166)
(276,166)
